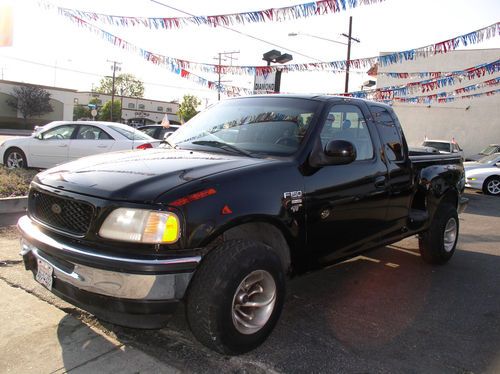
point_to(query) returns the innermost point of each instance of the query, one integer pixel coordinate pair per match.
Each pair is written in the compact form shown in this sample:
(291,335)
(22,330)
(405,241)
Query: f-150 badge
(293,200)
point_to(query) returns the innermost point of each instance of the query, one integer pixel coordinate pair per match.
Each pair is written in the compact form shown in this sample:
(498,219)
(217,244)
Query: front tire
(15,159)
(236,296)
(491,186)
(437,245)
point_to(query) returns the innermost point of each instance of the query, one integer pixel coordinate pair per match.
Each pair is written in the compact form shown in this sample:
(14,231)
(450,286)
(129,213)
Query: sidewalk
(37,337)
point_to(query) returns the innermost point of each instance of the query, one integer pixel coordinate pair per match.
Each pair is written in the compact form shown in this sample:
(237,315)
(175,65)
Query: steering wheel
(290,141)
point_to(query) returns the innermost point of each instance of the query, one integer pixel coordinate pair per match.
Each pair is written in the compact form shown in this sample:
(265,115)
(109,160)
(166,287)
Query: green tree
(187,109)
(83,111)
(125,85)
(30,101)
(105,112)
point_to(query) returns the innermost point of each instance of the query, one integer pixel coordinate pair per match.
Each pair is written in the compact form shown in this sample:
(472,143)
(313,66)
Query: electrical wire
(240,32)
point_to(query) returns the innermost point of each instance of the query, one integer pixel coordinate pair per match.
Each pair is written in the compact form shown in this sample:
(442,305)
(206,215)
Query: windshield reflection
(258,126)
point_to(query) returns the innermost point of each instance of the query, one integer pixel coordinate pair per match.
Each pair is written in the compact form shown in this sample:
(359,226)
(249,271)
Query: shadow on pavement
(481,204)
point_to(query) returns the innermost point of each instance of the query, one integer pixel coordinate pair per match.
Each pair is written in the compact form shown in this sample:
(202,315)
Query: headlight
(141,226)
(471,179)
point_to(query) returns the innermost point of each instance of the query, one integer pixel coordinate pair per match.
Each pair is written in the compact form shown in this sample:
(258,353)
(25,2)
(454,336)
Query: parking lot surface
(384,312)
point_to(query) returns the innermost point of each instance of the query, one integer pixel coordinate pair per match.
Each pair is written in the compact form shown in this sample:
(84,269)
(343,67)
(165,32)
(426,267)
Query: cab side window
(346,122)
(389,133)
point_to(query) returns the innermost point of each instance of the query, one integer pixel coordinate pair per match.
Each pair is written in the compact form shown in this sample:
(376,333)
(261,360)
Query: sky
(49,49)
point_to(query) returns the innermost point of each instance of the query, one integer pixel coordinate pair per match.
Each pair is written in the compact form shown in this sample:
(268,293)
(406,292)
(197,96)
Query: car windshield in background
(492,159)
(131,134)
(489,150)
(445,147)
(257,126)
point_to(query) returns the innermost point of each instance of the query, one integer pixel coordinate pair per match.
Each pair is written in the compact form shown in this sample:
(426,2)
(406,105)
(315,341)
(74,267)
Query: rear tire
(15,159)
(491,186)
(437,245)
(222,302)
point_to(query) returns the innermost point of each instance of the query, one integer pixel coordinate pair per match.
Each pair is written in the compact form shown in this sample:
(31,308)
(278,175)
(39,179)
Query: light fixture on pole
(276,57)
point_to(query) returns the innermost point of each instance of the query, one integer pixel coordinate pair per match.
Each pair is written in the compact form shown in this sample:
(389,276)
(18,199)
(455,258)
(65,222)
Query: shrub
(15,182)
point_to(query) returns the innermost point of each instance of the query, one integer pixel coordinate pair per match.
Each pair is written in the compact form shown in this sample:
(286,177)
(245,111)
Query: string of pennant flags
(183,67)
(430,99)
(470,73)
(341,65)
(382,94)
(299,11)
(428,85)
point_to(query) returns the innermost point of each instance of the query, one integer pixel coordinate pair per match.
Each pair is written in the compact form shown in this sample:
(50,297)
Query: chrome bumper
(105,282)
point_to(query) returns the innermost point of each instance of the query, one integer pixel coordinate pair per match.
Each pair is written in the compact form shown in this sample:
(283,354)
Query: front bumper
(118,289)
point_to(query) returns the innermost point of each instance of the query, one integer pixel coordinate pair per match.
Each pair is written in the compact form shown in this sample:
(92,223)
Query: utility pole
(348,63)
(228,55)
(114,67)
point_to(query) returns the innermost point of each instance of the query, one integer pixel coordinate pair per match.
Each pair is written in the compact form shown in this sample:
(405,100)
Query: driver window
(59,133)
(346,122)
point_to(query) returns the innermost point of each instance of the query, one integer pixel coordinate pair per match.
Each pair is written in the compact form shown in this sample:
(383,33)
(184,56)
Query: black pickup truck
(249,192)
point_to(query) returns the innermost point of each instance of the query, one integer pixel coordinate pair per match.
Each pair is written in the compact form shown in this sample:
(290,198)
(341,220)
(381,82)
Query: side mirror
(340,152)
(497,164)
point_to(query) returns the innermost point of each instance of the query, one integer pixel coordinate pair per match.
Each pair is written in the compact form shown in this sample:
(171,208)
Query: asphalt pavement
(384,312)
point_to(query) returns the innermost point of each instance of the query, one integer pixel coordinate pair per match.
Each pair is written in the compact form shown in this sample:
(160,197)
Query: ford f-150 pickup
(249,192)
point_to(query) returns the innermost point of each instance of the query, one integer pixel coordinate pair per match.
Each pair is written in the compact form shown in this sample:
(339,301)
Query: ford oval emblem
(56,208)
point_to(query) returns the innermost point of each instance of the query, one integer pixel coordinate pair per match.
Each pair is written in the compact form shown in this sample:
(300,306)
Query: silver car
(484,174)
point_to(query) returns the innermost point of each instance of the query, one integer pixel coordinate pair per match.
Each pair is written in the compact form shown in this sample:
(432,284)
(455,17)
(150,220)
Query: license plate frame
(44,273)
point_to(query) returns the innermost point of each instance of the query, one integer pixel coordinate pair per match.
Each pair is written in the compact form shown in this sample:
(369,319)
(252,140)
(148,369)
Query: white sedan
(63,141)
(484,175)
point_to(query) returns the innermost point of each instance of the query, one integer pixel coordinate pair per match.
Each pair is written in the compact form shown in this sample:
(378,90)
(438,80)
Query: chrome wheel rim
(450,234)
(15,160)
(494,187)
(253,302)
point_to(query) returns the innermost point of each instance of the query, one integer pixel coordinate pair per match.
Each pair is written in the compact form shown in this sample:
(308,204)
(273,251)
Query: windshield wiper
(222,145)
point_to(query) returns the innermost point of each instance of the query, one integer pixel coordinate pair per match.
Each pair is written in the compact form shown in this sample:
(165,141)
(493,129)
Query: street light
(276,57)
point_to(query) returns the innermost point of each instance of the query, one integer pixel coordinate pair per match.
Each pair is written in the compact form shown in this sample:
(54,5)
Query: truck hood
(140,175)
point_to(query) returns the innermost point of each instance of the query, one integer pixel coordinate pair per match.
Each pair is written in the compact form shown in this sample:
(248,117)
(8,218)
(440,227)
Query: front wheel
(236,296)
(15,159)
(491,186)
(438,244)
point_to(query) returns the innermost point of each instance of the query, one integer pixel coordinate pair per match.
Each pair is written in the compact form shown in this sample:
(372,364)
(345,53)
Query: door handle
(63,146)
(380,182)
(102,146)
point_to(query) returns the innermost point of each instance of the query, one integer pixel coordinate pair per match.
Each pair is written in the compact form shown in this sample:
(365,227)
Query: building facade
(135,111)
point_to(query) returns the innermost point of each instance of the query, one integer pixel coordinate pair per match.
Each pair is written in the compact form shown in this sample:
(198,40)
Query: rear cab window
(390,133)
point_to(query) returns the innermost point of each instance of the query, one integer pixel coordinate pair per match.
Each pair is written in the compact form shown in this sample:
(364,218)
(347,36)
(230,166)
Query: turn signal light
(193,197)
(145,146)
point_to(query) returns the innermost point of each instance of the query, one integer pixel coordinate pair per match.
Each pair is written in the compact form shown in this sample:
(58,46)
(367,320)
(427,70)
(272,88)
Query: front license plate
(44,273)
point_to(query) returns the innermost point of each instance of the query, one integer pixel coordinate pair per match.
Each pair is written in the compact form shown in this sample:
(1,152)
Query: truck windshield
(250,126)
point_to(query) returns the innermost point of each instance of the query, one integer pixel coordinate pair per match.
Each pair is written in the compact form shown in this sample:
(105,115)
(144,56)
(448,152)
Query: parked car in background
(489,150)
(484,175)
(444,146)
(158,131)
(63,141)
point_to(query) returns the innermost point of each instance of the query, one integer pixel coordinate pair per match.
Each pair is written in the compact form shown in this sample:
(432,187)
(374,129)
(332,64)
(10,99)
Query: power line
(239,32)
(97,75)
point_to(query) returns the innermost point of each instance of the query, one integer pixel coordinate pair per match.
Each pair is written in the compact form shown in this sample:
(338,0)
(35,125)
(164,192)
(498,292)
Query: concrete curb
(13,204)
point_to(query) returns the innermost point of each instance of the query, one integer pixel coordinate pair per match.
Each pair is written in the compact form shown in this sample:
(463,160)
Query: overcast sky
(47,38)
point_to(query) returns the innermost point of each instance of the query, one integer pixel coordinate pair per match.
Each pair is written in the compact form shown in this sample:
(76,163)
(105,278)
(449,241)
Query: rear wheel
(236,296)
(491,186)
(438,244)
(14,158)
